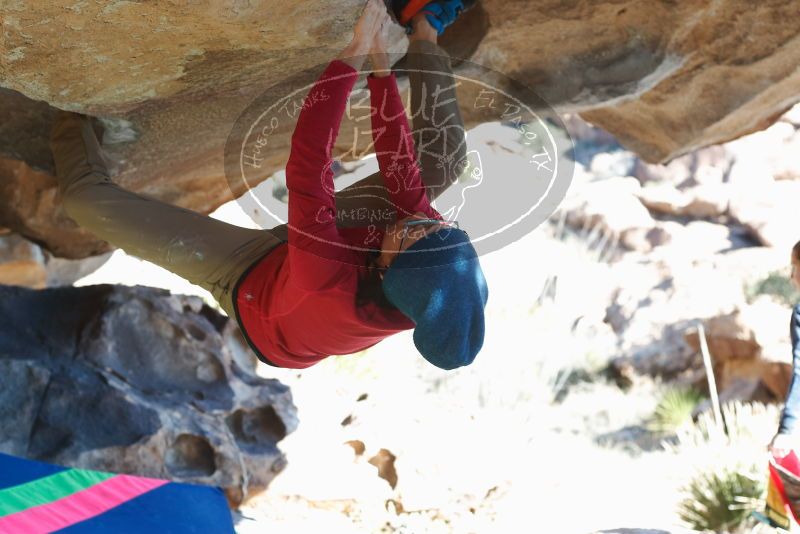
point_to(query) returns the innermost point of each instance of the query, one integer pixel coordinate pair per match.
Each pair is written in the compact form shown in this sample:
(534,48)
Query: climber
(784,462)
(313,289)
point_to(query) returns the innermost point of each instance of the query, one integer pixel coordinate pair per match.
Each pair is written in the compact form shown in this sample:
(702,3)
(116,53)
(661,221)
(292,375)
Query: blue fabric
(170,509)
(174,508)
(442,13)
(438,283)
(791,411)
(15,471)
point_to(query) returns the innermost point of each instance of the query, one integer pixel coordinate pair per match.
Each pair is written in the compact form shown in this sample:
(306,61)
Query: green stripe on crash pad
(48,489)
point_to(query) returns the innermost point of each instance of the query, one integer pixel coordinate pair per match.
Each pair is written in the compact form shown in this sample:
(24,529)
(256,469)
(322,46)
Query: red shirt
(296,305)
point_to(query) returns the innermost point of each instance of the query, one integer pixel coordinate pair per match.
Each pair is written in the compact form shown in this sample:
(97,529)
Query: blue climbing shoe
(442,13)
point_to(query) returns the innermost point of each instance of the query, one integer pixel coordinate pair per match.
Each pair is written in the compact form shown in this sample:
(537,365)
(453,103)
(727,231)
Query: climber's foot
(443,13)
(76,150)
(440,13)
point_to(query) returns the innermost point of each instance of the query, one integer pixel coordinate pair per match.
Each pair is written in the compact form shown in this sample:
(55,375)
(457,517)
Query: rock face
(663,77)
(21,262)
(750,346)
(134,380)
(611,207)
(31,206)
(24,263)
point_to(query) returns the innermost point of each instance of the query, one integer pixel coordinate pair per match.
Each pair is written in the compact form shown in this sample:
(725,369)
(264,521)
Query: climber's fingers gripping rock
(380,41)
(371,20)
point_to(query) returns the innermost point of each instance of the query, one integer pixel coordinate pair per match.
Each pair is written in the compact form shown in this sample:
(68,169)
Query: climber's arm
(791,411)
(316,250)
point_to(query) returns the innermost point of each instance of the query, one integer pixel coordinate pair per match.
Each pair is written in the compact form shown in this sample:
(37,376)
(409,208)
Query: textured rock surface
(30,205)
(21,262)
(657,303)
(25,263)
(612,208)
(750,345)
(135,380)
(765,211)
(664,77)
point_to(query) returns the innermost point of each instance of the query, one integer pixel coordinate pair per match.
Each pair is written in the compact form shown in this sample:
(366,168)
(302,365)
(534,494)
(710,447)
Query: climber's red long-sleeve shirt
(297,305)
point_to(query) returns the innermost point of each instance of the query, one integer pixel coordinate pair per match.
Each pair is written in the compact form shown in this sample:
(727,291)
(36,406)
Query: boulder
(694,240)
(611,206)
(662,198)
(65,272)
(135,380)
(766,211)
(701,202)
(30,204)
(658,300)
(21,262)
(750,264)
(706,201)
(24,263)
(773,154)
(612,164)
(586,133)
(739,388)
(704,166)
(728,337)
(749,345)
(169,82)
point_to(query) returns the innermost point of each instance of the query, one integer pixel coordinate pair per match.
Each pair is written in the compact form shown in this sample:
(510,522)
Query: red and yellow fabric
(783,492)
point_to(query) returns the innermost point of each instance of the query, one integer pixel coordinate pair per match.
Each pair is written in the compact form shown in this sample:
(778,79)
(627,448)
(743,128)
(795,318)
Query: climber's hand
(370,21)
(378,49)
(380,41)
(367,24)
(781,444)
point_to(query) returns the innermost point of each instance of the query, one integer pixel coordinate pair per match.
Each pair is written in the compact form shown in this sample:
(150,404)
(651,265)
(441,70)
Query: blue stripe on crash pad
(170,509)
(15,471)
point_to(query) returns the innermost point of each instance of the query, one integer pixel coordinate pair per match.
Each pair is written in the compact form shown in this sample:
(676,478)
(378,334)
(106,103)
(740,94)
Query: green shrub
(727,473)
(674,410)
(778,285)
(721,501)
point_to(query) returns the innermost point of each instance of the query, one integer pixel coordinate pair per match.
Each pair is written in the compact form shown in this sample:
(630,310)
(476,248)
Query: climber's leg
(203,250)
(438,130)
(439,134)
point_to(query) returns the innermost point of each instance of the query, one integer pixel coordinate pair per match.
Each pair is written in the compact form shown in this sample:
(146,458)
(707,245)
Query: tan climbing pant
(213,254)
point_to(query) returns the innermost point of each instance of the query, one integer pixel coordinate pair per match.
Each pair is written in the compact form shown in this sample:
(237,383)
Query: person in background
(786,437)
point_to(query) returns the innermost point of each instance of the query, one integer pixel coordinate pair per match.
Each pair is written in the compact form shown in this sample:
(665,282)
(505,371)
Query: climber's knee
(457,146)
(455,156)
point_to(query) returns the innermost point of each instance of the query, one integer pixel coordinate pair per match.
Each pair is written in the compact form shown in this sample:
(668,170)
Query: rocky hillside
(704,239)
(663,77)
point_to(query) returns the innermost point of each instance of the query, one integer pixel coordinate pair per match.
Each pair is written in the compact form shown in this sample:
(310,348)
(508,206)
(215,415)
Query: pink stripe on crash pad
(79,506)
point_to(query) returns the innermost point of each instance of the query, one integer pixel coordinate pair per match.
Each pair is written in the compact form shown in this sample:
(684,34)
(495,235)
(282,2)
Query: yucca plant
(745,425)
(674,410)
(729,468)
(722,501)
